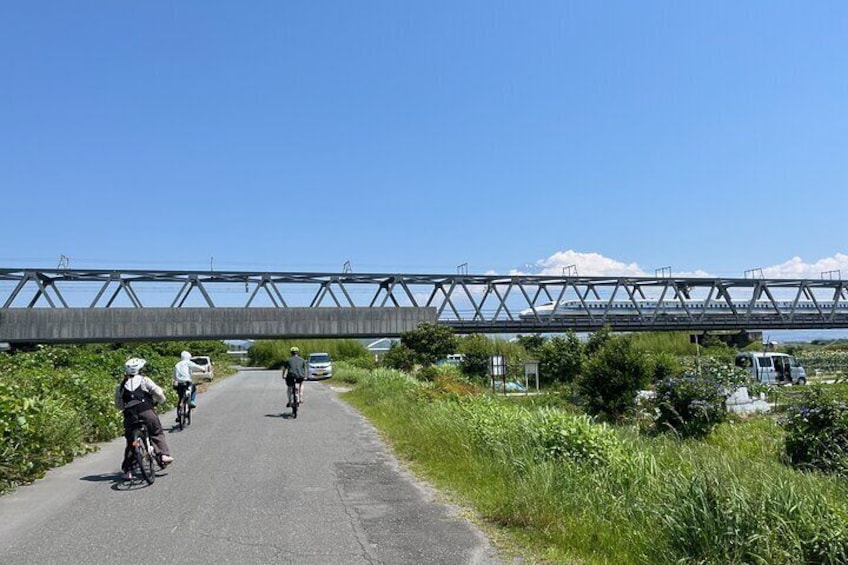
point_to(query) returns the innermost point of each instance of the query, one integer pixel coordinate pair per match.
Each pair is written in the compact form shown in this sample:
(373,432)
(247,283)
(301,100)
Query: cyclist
(136,396)
(182,377)
(294,372)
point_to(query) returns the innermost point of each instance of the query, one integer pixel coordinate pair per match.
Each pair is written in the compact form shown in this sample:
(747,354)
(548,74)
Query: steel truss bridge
(467,303)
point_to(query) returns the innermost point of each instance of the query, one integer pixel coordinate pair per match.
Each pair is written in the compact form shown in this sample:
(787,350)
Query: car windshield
(201,360)
(319,358)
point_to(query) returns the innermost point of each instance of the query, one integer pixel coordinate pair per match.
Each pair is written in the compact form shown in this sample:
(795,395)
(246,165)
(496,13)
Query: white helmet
(185,355)
(134,365)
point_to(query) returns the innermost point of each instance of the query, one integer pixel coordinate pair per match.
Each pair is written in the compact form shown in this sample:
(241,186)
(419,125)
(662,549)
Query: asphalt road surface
(249,485)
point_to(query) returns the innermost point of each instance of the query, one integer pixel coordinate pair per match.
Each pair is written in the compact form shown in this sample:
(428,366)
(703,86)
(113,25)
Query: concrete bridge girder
(87,325)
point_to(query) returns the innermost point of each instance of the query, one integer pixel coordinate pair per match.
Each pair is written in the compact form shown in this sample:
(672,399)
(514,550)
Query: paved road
(249,485)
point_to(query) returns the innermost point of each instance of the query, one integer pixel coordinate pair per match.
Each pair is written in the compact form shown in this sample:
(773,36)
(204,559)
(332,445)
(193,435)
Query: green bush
(57,401)
(613,377)
(816,426)
(477,350)
(690,406)
(561,359)
(400,357)
(559,435)
(663,365)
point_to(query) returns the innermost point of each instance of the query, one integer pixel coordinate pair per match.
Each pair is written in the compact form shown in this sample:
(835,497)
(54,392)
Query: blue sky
(620,137)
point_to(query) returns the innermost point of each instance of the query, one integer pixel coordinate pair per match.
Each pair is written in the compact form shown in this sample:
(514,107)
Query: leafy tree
(430,342)
(561,359)
(597,340)
(400,357)
(477,349)
(613,377)
(532,343)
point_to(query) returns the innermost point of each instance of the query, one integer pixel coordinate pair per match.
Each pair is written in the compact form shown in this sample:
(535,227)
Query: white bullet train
(576,308)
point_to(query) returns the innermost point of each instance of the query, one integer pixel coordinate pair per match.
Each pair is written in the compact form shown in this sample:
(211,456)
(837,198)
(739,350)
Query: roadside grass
(562,489)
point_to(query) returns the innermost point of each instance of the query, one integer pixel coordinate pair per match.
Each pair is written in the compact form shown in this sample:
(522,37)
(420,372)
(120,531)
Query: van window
(744,361)
(765,362)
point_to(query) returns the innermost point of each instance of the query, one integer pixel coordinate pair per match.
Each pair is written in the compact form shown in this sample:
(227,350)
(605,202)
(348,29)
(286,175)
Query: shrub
(477,349)
(574,437)
(664,365)
(695,403)
(691,405)
(561,359)
(400,357)
(612,379)
(816,426)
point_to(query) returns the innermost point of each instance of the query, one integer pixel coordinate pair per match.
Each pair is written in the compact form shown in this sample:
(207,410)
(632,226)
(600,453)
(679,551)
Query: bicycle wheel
(144,459)
(187,412)
(295,403)
(181,409)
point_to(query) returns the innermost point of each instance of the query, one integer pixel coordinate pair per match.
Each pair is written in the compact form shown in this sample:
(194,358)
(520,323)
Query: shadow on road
(102,478)
(118,483)
(283,415)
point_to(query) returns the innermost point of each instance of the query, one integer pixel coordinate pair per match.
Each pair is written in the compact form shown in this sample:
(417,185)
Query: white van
(772,368)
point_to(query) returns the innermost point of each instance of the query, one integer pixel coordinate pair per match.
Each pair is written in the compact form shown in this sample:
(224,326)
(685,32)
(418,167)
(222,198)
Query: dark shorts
(291,380)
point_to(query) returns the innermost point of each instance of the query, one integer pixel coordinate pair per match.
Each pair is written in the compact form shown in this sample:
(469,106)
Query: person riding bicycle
(294,372)
(182,377)
(136,396)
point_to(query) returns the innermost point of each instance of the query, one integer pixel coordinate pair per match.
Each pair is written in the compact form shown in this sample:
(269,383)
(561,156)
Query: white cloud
(585,264)
(595,265)
(796,268)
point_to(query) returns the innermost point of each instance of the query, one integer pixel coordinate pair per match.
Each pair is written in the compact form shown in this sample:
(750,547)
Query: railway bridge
(77,305)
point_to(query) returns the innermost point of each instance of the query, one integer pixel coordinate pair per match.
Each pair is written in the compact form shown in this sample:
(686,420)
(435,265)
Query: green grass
(638,499)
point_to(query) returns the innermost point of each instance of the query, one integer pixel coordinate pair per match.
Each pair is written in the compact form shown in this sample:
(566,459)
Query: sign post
(497,368)
(531,369)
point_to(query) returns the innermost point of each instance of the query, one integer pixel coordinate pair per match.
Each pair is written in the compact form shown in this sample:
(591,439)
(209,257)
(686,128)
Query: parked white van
(772,368)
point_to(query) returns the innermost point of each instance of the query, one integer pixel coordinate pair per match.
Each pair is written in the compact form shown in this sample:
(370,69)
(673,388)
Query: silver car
(319,367)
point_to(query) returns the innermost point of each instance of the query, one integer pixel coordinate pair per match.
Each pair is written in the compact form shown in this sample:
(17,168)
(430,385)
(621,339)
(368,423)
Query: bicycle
(184,405)
(143,453)
(295,399)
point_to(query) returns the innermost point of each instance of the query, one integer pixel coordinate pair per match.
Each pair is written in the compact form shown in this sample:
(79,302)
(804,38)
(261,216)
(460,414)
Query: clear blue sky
(416,136)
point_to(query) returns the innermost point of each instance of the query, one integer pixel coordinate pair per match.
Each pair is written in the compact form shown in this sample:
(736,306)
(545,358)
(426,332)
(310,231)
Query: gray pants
(154,428)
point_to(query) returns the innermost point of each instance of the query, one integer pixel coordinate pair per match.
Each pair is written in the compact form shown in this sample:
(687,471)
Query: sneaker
(192,405)
(126,476)
(166,460)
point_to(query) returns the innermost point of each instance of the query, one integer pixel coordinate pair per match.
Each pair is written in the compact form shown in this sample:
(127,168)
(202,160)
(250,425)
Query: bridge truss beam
(469,303)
